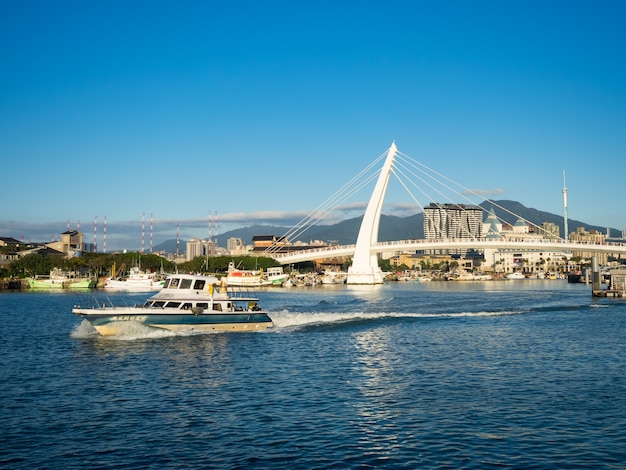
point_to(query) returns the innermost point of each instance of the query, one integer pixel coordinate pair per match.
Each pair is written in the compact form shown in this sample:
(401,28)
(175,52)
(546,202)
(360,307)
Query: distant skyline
(255,113)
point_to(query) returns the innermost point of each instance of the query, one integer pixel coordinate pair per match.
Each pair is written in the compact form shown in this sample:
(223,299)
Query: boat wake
(284,322)
(290,321)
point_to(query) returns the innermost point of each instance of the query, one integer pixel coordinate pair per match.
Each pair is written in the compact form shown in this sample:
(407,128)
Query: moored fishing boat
(274,276)
(136,281)
(59,279)
(243,277)
(515,275)
(186,302)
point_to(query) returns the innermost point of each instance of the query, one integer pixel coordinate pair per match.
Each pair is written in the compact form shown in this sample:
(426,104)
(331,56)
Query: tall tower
(143,230)
(151,232)
(565,229)
(95,234)
(177,242)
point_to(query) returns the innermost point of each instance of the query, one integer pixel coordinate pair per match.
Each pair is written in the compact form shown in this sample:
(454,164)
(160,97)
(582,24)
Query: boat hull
(244,281)
(114,321)
(61,284)
(133,286)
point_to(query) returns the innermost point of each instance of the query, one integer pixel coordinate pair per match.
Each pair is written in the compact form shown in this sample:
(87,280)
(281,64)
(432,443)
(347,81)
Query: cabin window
(158,304)
(186,306)
(202,305)
(217,307)
(199,285)
(185,283)
(173,304)
(174,283)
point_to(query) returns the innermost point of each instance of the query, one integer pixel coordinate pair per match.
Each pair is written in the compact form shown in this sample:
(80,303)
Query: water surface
(511,374)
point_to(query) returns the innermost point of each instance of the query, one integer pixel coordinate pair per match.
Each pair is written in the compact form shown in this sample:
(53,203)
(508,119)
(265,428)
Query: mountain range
(392,227)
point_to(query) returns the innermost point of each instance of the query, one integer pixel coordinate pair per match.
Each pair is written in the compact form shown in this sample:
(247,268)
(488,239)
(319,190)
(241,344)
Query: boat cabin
(195,293)
(228,305)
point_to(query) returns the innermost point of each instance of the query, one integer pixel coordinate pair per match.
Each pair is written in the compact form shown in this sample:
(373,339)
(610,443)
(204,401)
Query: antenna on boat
(104,247)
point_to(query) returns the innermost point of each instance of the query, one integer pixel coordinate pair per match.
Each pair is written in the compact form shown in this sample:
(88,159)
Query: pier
(617,283)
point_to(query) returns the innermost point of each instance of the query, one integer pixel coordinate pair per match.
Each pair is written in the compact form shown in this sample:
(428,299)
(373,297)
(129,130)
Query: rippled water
(524,374)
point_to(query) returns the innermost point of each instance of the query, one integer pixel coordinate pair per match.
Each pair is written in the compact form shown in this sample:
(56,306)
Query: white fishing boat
(515,275)
(136,281)
(186,302)
(469,276)
(243,277)
(274,276)
(333,277)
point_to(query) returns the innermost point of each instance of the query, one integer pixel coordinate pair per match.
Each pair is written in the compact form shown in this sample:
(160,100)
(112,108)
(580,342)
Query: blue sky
(259,111)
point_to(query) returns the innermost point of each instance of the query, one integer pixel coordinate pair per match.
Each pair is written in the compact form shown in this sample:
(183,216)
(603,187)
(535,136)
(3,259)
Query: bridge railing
(477,242)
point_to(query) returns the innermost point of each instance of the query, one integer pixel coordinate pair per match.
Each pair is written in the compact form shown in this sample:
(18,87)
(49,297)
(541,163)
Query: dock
(617,282)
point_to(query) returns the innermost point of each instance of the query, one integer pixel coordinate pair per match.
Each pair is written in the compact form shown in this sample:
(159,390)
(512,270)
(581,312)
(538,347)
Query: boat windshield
(184,283)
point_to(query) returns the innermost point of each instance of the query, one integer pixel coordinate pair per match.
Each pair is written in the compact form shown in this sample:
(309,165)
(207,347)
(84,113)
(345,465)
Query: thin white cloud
(484,192)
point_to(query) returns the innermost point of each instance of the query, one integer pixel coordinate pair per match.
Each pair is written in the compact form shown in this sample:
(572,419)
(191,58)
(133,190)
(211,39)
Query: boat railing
(241,292)
(100,302)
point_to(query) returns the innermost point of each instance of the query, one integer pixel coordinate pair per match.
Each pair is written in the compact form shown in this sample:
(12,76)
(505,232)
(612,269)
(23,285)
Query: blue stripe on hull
(182,319)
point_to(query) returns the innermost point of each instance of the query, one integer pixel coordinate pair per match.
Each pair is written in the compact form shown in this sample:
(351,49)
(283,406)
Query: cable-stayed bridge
(448,244)
(365,270)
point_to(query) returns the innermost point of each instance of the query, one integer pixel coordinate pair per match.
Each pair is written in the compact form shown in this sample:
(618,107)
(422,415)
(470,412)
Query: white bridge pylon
(364,269)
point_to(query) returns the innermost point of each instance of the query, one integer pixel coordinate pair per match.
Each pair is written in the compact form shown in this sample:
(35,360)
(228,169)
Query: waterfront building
(447,221)
(71,244)
(416,261)
(196,247)
(550,230)
(492,227)
(527,261)
(592,237)
(236,247)
(10,242)
(193,248)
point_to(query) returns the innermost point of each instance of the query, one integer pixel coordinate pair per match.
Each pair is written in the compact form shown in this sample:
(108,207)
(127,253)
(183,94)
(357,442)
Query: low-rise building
(593,237)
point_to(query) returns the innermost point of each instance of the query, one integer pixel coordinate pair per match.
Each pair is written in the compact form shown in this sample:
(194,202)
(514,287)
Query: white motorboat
(185,303)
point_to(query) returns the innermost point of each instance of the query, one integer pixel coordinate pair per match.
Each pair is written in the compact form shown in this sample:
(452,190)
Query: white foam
(289,320)
(132,330)
(84,330)
(127,330)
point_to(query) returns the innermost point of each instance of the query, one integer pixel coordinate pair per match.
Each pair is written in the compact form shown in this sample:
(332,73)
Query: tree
(31,265)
